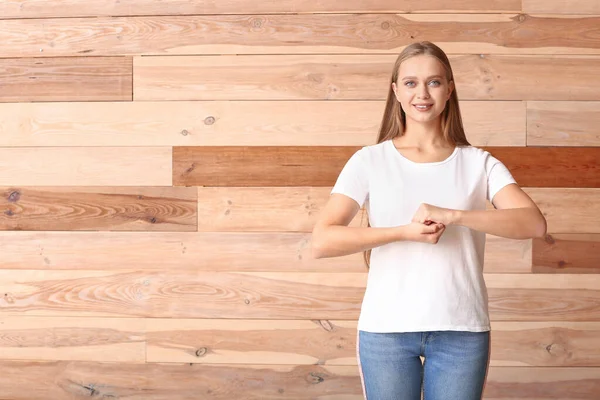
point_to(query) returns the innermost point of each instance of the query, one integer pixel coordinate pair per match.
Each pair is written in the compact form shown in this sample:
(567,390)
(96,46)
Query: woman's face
(422,88)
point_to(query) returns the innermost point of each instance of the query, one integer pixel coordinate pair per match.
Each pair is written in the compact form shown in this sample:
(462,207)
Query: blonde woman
(424,188)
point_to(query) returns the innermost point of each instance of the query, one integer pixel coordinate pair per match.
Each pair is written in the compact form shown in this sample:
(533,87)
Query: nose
(423,93)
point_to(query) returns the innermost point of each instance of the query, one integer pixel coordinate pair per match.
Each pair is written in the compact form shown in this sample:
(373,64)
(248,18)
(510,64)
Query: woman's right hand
(426,233)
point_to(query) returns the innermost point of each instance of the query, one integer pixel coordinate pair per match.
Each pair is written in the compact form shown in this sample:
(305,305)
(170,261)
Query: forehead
(421,66)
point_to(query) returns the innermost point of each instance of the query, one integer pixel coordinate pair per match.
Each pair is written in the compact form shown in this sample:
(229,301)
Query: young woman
(424,188)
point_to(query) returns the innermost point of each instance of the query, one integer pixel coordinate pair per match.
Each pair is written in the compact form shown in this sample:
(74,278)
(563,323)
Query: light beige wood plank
(268,295)
(358,77)
(205,251)
(220,123)
(561,6)
(65,78)
(98,208)
(332,342)
(569,210)
(299,34)
(86,8)
(563,123)
(77,379)
(68,338)
(86,166)
(297,208)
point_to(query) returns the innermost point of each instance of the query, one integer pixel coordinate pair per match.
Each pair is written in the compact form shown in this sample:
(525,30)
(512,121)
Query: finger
(433,228)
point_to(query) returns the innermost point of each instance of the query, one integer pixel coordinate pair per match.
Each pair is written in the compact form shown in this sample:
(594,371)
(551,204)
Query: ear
(395,89)
(450,89)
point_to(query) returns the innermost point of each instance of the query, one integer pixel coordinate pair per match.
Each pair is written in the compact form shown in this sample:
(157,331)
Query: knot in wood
(325,324)
(185,132)
(549,239)
(14,196)
(385,25)
(315,378)
(201,352)
(209,120)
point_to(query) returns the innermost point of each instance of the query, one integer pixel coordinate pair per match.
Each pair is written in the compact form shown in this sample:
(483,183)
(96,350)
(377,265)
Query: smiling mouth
(424,107)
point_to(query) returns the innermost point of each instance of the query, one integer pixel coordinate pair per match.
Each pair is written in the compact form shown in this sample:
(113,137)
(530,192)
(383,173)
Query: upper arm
(512,196)
(339,210)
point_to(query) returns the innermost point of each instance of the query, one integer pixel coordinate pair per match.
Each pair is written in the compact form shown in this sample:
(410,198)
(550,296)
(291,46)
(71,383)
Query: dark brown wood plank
(96,8)
(268,295)
(66,79)
(566,167)
(299,34)
(567,254)
(98,208)
(68,380)
(320,165)
(258,165)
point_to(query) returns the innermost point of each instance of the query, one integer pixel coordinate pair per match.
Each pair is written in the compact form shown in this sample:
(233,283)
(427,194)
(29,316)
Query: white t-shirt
(414,286)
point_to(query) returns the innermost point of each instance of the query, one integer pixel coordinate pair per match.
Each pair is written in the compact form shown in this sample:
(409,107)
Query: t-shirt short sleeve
(353,180)
(498,176)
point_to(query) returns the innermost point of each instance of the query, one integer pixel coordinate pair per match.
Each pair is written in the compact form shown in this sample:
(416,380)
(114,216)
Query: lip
(427,108)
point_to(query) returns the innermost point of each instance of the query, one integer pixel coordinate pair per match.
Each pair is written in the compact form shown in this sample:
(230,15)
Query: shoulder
(372,152)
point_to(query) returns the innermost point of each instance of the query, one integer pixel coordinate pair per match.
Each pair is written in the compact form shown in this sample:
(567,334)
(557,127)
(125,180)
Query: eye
(435,83)
(409,83)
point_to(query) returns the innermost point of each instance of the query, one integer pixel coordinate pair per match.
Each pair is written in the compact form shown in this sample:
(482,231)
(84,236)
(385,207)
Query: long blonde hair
(393,123)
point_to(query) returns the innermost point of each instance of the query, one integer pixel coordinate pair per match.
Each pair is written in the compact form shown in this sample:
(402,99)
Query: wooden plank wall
(163,162)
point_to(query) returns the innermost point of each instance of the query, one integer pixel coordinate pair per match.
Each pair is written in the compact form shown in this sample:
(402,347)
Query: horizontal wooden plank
(256,166)
(561,6)
(358,77)
(85,339)
(26,380)
(296,209)
(569,210)
(66,79)
(96,8)
(221,123)
(299,34)
(327,342)
(90,208)
(561,167)
(268,295)
(563,123)
(86,166)
(205,251)
(567,254)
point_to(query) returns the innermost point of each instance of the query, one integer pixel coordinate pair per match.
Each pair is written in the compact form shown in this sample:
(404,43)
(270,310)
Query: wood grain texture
(560,167)
(329,342)
(358,77)
(562,123)
(79,379)
(561,6)
(569,210)
(206,251)
(268,295)
(85,339)
(221,123)
(86,166)
(574,253)
(67,380)
(66,79)
(100,209)
(299,34)
(86,8)
(320,166)
(296,209)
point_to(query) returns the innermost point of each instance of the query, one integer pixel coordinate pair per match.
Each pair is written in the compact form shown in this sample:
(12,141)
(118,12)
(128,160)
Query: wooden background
(162,164)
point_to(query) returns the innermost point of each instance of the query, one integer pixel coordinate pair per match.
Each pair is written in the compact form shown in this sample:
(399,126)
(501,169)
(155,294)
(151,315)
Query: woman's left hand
(428,214)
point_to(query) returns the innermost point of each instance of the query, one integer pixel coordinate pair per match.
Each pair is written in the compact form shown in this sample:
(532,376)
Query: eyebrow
(414,77)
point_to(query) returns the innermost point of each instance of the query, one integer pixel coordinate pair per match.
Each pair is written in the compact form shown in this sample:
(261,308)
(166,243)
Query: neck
(423,135)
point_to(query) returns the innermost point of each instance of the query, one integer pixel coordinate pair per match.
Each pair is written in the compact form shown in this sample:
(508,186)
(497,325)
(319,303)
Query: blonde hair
(393,123)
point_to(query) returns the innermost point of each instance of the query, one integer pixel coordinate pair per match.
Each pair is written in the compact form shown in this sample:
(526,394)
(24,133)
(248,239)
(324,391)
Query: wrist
(456,217)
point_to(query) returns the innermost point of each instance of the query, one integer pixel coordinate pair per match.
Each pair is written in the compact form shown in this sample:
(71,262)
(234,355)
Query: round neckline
(401,156)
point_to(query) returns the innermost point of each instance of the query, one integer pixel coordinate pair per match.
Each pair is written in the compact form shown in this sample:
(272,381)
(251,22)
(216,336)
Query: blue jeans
(454,368)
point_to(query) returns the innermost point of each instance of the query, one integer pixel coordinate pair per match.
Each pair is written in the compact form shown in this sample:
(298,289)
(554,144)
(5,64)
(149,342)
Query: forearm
(334,241)
(514,223)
